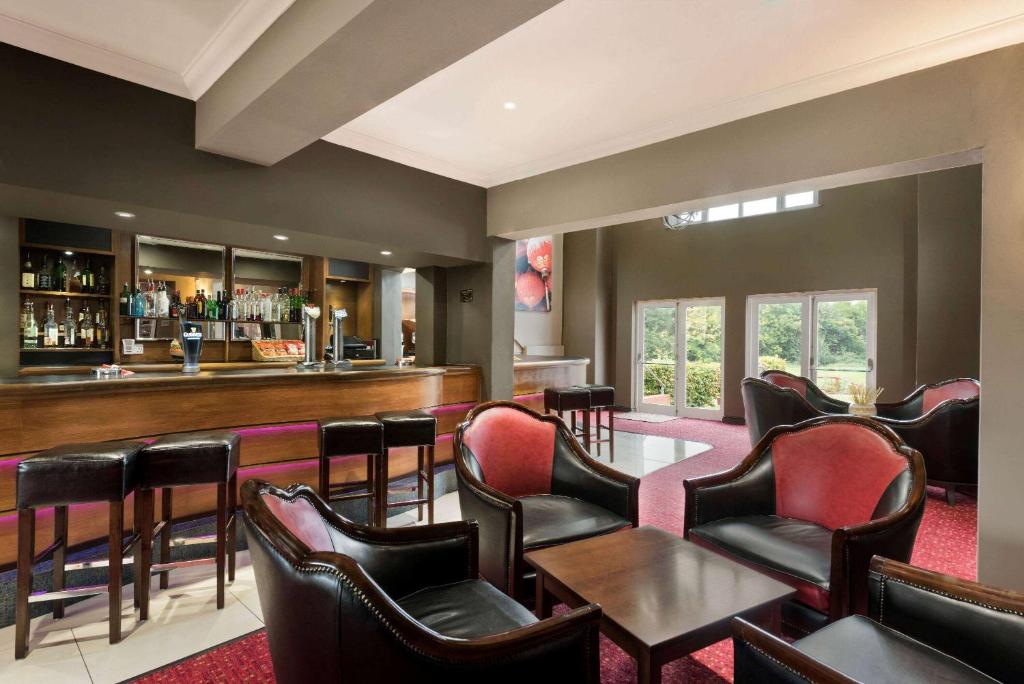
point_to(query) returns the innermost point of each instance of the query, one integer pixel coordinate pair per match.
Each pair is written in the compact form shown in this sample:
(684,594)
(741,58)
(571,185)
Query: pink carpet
(946,543)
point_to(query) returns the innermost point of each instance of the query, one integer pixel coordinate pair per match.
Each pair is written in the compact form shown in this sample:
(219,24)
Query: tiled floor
(184,619)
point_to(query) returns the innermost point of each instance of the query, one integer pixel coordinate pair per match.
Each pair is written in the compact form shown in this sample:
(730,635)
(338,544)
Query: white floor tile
(53,656)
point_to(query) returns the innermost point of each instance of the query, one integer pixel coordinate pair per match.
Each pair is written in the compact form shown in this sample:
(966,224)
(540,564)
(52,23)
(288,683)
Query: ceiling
(595,77)
(178,46)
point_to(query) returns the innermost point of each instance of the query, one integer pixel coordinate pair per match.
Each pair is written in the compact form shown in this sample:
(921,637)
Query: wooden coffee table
(662,597)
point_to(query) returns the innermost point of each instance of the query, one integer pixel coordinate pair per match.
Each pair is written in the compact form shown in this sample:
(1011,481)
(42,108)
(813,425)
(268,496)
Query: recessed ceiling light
(124,214)
(385,252)
(148,271)
(70,253)
(280,237)
(510,105)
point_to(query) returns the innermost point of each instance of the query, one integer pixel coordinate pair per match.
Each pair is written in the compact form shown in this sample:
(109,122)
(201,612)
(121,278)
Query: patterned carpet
(946,543)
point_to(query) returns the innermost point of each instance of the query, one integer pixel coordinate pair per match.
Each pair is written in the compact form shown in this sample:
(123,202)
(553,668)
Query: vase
(862,410)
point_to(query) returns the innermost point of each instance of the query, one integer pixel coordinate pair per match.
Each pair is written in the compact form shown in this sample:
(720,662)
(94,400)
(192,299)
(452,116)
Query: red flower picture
(533,274)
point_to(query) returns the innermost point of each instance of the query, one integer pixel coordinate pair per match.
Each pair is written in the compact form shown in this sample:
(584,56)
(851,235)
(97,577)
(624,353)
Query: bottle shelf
(204,320)
(71,295)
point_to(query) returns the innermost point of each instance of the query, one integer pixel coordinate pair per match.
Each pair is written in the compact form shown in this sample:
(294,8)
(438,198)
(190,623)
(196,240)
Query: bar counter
(274,410)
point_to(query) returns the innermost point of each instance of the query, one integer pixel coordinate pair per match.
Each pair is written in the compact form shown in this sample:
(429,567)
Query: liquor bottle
(43,278)
(60,276)
(163,303)
(86,331)
(138,303)
(88,284)
(68,326)
(28,276)
(212,312)
(29,330)
(102,332)
(102,283)
(225,309)
(126,301)
(74,277)
(50,328)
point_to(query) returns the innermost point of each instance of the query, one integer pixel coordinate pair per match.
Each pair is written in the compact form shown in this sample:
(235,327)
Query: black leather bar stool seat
(572,399)
(179,460)
(59,477)
(350,436)
(407,429)
(602,399)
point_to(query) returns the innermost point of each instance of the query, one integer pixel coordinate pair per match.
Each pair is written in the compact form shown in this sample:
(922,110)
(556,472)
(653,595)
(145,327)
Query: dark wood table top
(656,588)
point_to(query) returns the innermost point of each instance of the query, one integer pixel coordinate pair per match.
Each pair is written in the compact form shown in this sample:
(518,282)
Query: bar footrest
(91,590)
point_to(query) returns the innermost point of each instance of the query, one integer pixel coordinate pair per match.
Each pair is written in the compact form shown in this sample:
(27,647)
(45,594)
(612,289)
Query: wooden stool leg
(232,524)
(145,550)
(26,553)
(430,484)
(114,541)
(586,431)
(60,535)
(165,536)
(419,482)
(324,488)
(137,556)
(371,466)
(381,506)
(222,509)
(611,435)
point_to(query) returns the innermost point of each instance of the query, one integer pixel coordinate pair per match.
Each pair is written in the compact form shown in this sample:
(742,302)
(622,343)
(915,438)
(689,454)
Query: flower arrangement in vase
(864,399)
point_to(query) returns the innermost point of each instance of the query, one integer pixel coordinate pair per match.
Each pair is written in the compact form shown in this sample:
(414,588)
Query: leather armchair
(923,627)
(767,405)
(344,602)
(529,484)
(810,505)
(806,389)
(940,421)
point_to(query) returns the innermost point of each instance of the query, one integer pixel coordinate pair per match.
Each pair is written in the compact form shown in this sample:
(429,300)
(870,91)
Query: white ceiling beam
(323,63)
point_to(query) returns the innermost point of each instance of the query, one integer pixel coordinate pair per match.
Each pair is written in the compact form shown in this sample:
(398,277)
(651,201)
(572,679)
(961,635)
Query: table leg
(544,603)
(648,669)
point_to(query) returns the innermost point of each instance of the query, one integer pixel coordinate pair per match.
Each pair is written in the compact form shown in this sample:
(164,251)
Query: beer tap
(309,316)
(338,360)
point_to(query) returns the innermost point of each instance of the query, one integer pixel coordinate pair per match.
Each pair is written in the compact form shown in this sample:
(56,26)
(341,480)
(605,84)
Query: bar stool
(180,460)
(407,429)
(571,399)
(602,398)
(350,436)
(58,477)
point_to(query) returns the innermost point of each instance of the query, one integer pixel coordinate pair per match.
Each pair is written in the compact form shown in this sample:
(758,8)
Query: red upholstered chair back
(833,474)
(786,380)
(957,389)
(301,519)
(515,450)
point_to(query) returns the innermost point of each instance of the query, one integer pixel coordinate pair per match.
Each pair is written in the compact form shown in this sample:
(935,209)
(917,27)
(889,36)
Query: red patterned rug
(946,543)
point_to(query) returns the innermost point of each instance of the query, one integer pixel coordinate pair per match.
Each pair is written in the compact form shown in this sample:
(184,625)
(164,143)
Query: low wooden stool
(407,429)
(351,436)
(571,399)
(58,477)
(180,460)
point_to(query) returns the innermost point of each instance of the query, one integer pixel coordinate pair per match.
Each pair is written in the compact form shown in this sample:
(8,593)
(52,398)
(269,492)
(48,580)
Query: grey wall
(92,137)
(588,322)
(854,240)
(431,316)
(10,302)
(949,260)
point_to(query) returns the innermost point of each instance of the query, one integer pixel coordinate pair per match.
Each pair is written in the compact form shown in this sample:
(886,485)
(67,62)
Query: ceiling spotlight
(124,214)
(280,237)
(510,105)
(148,271)
(70,253)
(385,252)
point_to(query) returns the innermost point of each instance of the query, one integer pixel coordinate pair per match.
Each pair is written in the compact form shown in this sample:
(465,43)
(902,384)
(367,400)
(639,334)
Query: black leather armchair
(529,484)
(343,602)
(810,505)
(767,405)
(923,627)
(806,388)
(940,421)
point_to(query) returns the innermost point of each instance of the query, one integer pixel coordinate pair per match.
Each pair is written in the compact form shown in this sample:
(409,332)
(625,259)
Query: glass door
(657,357)
(843,342)
(826,336)
(680,357)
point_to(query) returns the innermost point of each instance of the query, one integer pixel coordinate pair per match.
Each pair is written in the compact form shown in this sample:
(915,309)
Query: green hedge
(772,363)
(703,383)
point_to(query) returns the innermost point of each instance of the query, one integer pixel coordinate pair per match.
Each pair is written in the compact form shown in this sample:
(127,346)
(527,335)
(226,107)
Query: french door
(829,337)
(679,357)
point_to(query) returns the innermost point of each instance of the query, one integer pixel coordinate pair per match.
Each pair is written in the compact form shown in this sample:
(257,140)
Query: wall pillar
(431,316)
(387,315)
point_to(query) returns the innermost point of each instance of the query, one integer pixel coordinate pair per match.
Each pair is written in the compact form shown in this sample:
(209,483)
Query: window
(755,207)
(724,212)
